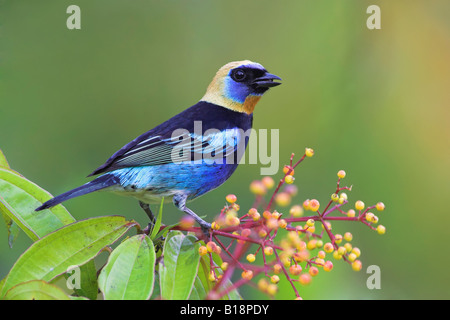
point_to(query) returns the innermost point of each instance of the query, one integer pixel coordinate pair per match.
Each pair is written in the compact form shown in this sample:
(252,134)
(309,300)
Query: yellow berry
(348,236)
(319,244)
(380,206)
(356,265)
(359,205)
(351,213)
(370,216)
(275,279)
(289,179)
(338,238)
(311,245)
(282,223)
(263,284)
(335,197)
(296,211)
(272,224)
(215,225)
(381,229)
(348,246)
(258,188)
(310,222)
(251,257)
(321,254)
(309,152)
(268,251)
(272,289)
(341,174)
(341,251)
(262,233)
(224,266)
(352,257)
(356,251)
(328,247)
(212,276)
(283,199)
(231,198)
(336,255)
(343,195)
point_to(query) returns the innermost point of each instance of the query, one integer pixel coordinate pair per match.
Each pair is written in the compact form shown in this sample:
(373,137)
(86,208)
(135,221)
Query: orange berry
(202,250)
(263,284)
(328,266)
(314,205)
(268,182)
(246,232)
(247,274)
(211,246)
(272,223)
(295,269)
(288,169)
(272,289)
(277,268)
(304,279)
(313,271)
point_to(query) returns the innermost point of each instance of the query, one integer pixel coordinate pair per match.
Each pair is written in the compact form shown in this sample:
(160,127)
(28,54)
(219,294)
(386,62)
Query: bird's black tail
(101,182)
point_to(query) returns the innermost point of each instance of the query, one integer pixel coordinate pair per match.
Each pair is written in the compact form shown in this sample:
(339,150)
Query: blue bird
(191,153)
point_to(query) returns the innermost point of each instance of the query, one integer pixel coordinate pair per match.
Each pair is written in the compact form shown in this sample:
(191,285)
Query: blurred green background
(372,102)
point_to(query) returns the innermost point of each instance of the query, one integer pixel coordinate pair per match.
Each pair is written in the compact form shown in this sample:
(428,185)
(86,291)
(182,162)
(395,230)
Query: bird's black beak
(267,81)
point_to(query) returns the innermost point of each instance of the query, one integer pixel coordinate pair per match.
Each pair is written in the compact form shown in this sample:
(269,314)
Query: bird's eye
(239,75)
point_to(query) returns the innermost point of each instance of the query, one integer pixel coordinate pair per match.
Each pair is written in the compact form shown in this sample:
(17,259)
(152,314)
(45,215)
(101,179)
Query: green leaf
(35,290)
(88,281)
(157,225)
(130,271)
(178,268)
(72,245)
(18,199)
(3,161)
(13,229)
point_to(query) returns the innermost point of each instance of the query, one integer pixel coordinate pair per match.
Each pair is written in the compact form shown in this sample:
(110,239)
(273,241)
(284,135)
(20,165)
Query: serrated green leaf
(130,271)
(179,265)
(35,290)
(74,244)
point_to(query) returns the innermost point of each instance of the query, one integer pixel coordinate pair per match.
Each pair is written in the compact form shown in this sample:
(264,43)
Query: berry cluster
(295,244)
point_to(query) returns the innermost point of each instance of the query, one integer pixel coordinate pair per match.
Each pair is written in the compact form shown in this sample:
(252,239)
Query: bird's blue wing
(151,150)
